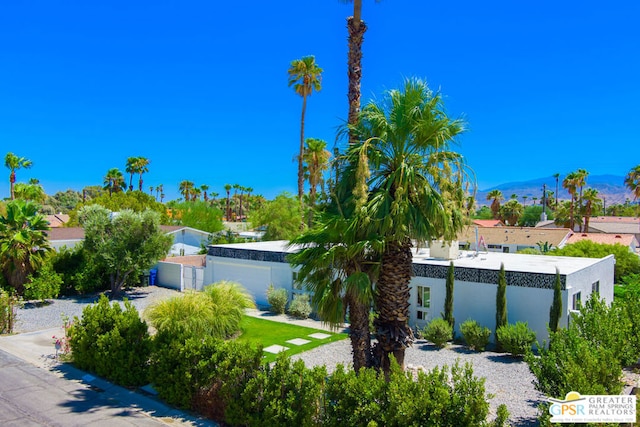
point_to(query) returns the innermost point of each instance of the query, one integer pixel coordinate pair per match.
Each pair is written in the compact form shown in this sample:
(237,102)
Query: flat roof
(545,264)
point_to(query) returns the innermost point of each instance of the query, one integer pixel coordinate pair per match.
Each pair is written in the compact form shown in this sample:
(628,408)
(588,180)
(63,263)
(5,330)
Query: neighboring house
(530,281)
(488,223)
(628,240)
(57,220)
(186,240)
(615,225)
(65,236)
(511,239)
(181,272)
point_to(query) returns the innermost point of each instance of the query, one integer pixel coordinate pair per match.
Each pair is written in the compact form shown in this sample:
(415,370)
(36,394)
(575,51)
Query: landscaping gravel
(508,379)
(35,316)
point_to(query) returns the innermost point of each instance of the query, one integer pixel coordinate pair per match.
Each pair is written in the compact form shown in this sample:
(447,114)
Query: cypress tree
(501,302)
(555,312)
(448,300)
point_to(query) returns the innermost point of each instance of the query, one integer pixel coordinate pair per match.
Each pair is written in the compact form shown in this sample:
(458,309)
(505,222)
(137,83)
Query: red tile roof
(615,219)
(488,223)
(609,239)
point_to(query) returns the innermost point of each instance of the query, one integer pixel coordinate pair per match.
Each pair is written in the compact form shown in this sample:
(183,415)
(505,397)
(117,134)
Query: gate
(192,278)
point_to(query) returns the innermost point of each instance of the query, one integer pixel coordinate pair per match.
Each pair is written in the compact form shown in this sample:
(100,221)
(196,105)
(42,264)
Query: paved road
(32,396)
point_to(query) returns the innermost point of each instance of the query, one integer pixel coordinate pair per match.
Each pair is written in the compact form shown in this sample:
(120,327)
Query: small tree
(501,301)
(448,300)
(123,244)
(555,312)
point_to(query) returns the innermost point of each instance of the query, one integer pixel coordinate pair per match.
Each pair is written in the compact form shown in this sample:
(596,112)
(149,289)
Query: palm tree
(305,77)
(13,163)
(570,183)
(131,168)
(114,181)
(524,200)
(204,188)
(248,204)
(30,192)
(151,190)
(316,158)
(495,196)
(185,188)
(160,188)
(511,212)
(195,193)
(227,188)
(236,187)
(557,177)
(23,242)
(142,164)
(591,200)
(407,186)
(632,182)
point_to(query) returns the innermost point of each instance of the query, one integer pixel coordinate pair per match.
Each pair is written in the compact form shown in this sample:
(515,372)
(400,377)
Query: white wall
(170,275)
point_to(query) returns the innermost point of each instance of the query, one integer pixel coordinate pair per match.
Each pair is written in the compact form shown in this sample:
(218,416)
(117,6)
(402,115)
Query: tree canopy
(281,217)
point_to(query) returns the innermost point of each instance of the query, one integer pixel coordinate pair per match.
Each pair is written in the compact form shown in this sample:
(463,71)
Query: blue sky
(200,87)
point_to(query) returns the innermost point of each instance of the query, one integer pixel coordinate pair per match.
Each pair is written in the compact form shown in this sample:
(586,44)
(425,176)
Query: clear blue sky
(200,87)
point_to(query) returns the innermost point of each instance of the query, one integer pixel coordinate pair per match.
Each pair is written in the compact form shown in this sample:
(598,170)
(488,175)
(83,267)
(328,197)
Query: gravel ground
(35,316)
(508,379)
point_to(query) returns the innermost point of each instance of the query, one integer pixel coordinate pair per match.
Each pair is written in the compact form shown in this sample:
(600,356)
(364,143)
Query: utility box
(444,250)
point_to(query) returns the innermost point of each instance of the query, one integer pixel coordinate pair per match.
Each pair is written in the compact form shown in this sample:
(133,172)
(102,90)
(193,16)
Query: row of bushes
(228,382)
(299,307)
(516,339)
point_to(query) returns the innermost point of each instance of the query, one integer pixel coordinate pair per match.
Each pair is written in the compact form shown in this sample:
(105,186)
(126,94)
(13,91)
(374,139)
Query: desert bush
(285,394)
(188,373)
(111,342)
(45,284)
(79,274)
(516,339)
(438,331)
(277,299)
(476,336)
(8,310)
(300,307)
(229,300)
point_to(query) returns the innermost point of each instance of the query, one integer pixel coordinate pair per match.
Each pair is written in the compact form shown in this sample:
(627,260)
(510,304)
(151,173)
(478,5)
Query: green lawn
(267,332)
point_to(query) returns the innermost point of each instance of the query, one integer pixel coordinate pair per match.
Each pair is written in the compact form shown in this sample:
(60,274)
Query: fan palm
(632,182)
(591,200)
(305,77)
(557,178)
(227,188)
(408,186)
(570,183)
(131,168)
(511,212)
(186,188)
(114,181)
(142,167)
(13,163)
(23,242)
(316,158)
(31,192)
(495,196)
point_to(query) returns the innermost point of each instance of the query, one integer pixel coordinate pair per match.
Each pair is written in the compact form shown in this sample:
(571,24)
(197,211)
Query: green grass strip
(258,331)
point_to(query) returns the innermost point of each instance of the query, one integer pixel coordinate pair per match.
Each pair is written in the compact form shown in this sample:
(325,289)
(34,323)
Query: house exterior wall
(582,281)
(170,275)
(188,242)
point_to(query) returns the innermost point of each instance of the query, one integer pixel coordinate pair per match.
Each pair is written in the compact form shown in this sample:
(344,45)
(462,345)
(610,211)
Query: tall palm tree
(131,168)
(524,200)
(114,181)
(236,187)
(305,77)
(316,158)
(227,188)
(249,191)
(204,188)
(185,188)
(195,193)
(591,200)
(495,196)
(13,163)
(570,183)
(407,186)
(557,177)
(160,188)
(142,167)
(23,242)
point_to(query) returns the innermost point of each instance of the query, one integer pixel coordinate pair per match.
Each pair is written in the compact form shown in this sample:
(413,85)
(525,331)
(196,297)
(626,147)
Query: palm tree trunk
(300,168)
(356,28)
(12,181)
(359,333)
(392,302)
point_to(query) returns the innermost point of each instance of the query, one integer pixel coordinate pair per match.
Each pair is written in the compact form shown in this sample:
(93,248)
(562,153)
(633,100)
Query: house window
(295,284)
(505,249)
(595,287)
(576,301)
(424,297)
(494,246)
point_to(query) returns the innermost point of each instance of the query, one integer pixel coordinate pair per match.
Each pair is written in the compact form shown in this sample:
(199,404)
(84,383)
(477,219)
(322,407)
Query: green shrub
(277,299)
(300,307)
(229,301)
(79,274)
(189,373)
(111,342)
(285,394)
(476,336)
(43,285)
(8,310)
(502,416)
(516,339)
(438,331)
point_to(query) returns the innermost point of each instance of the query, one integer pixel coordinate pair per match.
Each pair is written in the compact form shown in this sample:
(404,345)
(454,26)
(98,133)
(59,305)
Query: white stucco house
(530,281)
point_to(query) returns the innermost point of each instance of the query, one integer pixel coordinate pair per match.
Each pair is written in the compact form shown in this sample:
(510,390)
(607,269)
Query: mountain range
(610,187)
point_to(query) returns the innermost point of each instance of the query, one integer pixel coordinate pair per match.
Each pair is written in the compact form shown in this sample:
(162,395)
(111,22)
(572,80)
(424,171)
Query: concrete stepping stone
(319,336)
(275,349)
(298,341)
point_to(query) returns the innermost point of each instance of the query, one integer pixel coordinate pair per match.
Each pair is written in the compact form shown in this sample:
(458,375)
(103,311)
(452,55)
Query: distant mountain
(611,187)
